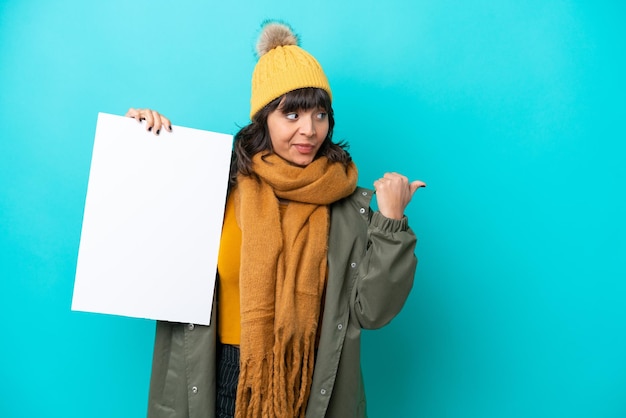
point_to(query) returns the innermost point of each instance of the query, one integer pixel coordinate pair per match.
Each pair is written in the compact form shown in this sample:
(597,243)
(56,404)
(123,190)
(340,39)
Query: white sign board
(152,222)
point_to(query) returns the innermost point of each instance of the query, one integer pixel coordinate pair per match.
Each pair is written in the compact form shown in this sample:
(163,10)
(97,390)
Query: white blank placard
(152,222)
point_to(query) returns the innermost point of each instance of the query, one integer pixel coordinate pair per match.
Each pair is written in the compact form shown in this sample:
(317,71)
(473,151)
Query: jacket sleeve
(385,276)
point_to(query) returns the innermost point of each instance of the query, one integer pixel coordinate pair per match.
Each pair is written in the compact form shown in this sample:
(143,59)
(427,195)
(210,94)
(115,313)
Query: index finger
(166,123)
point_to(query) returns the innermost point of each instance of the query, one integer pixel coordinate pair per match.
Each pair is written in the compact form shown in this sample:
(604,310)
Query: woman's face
(297,136)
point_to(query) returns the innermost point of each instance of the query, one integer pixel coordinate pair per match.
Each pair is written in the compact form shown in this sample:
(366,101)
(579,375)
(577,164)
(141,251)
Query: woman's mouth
(304,148)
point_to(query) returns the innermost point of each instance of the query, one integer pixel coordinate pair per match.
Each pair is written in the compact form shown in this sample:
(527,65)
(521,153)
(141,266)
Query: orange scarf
(282,278)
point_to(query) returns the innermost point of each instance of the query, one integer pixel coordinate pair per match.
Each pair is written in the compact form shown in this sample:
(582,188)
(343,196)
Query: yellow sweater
(228,314)
(228,259)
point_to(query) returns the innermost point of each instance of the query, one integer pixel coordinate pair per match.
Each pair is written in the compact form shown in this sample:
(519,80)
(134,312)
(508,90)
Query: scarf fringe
(293,373)
(250,400)
(279,395)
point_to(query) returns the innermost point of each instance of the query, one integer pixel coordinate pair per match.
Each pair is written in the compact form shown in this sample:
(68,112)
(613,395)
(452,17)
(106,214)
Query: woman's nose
(307,126)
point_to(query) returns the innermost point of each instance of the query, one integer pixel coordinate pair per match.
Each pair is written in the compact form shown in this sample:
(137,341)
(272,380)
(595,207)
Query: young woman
(304,264)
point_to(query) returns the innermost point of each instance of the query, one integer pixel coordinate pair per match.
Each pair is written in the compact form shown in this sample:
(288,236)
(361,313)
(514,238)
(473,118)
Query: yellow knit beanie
(282,67)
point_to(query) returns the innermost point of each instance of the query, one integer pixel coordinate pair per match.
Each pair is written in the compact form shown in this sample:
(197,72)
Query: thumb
(414,185)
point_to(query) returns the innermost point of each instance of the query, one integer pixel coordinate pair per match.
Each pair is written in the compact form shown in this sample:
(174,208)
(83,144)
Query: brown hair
(255,138)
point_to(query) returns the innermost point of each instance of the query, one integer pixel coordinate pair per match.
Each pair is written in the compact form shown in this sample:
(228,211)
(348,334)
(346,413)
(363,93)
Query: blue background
(513,112)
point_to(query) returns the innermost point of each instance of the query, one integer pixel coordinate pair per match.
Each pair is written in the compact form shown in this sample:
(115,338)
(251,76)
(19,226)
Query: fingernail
(158,131)
(150,129)
(142,119)
(170,127)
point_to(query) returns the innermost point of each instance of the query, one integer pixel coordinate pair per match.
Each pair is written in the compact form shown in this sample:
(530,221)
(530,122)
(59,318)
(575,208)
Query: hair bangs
(305,99)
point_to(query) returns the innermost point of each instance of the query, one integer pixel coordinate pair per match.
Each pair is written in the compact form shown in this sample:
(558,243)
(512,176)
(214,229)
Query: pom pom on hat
(282,67)
(275,34)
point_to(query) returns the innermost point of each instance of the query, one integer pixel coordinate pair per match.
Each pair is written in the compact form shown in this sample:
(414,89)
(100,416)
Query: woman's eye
(322,115)
(292,116)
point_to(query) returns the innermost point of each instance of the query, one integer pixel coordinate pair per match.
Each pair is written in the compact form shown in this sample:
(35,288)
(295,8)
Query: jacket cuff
(387,224)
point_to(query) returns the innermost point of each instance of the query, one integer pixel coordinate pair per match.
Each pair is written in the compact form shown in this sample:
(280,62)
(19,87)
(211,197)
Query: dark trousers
(227,378)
